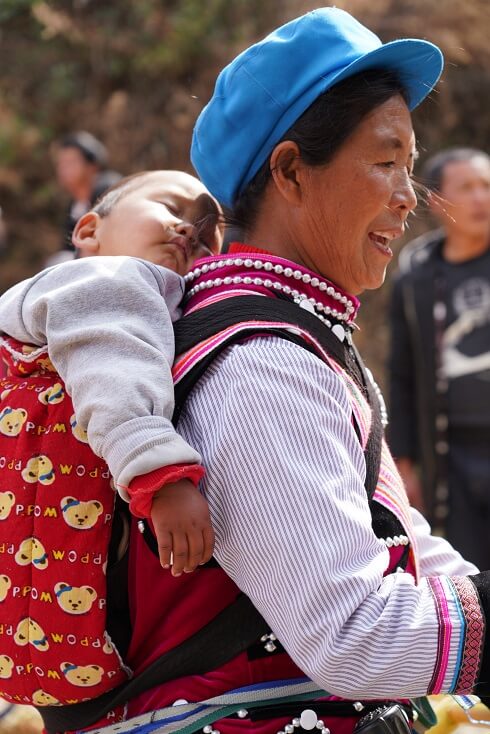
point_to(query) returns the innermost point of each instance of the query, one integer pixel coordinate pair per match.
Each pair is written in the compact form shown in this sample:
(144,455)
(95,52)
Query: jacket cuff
(142,489)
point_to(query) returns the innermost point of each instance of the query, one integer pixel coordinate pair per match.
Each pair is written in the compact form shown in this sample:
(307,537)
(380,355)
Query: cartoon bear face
(82,675)
(53,395)
(78,431)
(5,584)
(31,550)
(12,420)
(41,698)
(75,599)
(81,515)
(29,631)
(6,666)
(38,469)
(7,501)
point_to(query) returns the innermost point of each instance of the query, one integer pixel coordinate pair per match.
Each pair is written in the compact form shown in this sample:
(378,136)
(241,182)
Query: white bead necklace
(311,304)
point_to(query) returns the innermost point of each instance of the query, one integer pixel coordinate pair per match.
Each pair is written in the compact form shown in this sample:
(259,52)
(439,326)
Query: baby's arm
(108,325)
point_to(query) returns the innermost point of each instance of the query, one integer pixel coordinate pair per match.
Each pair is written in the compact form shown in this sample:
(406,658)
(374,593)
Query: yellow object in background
(451,719)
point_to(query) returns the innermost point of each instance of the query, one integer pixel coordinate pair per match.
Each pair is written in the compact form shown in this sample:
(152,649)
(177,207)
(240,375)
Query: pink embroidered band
(444,639)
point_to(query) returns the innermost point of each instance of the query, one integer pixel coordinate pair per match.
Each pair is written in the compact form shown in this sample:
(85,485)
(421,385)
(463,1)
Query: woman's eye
(171,207)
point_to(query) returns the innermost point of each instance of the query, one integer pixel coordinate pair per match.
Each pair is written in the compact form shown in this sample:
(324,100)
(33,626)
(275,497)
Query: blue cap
(267,88)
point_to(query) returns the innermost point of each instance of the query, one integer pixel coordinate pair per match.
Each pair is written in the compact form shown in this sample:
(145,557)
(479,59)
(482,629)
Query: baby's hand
(180,517)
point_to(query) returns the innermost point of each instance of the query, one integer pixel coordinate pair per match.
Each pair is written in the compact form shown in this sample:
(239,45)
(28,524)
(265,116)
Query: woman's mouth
(381,243)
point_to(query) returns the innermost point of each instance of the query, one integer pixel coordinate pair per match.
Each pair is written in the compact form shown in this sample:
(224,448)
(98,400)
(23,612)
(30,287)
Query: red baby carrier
(56,512)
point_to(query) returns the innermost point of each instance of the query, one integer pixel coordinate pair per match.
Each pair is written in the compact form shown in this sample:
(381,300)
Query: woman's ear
(286,166)
(85,234)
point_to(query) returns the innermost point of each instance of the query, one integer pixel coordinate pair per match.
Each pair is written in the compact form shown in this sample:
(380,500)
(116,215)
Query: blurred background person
(81,170)
(440,355)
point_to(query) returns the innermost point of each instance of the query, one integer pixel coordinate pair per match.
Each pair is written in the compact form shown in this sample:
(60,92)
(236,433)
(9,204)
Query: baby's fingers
(164,540)
(196,545)
(180,552)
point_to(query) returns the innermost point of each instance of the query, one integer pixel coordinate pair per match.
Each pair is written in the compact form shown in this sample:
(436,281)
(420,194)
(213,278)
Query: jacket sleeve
(108,325)
(402,403)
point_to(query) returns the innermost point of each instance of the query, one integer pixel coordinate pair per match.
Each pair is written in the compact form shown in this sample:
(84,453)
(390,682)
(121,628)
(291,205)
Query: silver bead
(268,266)
(322,286)
(207,729)
(308,719)
(215,731)
(218,281)
(141,526)
(287,289)
(270,647)
(247,280)
(213,266)
(239,261)
(258,281)
(389,542)
(268,283)
(288,272)
(264,638)
(320,724)
(228,280)
(297,275)
(289,728)
(358,706)
(205,268)
(326,730)
(296,722)
(258,264)
(396,541)
(228,262)
(237,279)
(248,263)
(272,636)
(242,713)
(278,269)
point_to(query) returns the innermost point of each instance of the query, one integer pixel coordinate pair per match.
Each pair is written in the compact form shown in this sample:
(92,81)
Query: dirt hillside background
(136,74)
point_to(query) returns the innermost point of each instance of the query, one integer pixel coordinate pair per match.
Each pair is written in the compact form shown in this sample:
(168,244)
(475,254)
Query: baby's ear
(85,235)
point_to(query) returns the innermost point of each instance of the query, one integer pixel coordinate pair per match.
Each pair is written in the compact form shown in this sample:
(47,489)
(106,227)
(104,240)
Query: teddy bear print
(41,698)
(38,469)
(75,599)
(7,501)
(81,515)
(29,631)
(31,550)
(82,675)
(5,584)
(78,431)
(12,420)
(53,395)
(6,666)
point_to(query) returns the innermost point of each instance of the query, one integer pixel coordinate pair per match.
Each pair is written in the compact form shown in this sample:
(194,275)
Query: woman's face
(356,205)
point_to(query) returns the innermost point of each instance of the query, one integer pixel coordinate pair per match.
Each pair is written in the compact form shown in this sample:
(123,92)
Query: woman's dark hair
(322,129)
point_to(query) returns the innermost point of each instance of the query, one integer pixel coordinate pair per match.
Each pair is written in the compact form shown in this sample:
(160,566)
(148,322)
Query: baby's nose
(188,230)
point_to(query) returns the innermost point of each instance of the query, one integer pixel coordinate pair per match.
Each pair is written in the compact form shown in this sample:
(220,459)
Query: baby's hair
(108,200)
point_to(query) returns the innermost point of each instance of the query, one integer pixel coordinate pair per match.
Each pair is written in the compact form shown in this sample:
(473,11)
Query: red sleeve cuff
(142,488)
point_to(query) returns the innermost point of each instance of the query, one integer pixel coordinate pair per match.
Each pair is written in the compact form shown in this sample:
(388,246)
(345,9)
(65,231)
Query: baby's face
(170,220)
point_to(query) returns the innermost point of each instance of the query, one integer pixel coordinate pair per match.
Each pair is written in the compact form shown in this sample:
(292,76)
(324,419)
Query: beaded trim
(344,311)
(474,633)
(396,540)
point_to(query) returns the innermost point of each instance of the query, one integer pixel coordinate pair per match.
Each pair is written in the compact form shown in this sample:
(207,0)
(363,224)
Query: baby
(167,219)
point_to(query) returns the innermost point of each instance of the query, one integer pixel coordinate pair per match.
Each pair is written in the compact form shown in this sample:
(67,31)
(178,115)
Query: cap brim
(418,63)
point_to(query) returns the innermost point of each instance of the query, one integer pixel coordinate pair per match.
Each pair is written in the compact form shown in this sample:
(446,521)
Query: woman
(308,136)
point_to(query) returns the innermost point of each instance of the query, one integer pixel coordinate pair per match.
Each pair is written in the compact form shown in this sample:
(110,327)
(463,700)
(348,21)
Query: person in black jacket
(440,356)
(81,171)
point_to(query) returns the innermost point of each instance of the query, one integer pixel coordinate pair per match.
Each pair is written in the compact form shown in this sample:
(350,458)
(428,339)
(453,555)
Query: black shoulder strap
(205,323)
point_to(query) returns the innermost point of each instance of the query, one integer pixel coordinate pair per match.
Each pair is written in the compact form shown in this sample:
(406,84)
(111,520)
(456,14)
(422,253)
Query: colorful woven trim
(474,633)
(444,638)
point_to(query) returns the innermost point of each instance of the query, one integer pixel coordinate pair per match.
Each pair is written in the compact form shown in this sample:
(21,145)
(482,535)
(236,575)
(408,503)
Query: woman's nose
(404,198)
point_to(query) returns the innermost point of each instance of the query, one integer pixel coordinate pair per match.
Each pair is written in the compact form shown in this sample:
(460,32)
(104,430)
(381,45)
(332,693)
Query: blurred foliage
(137,73)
